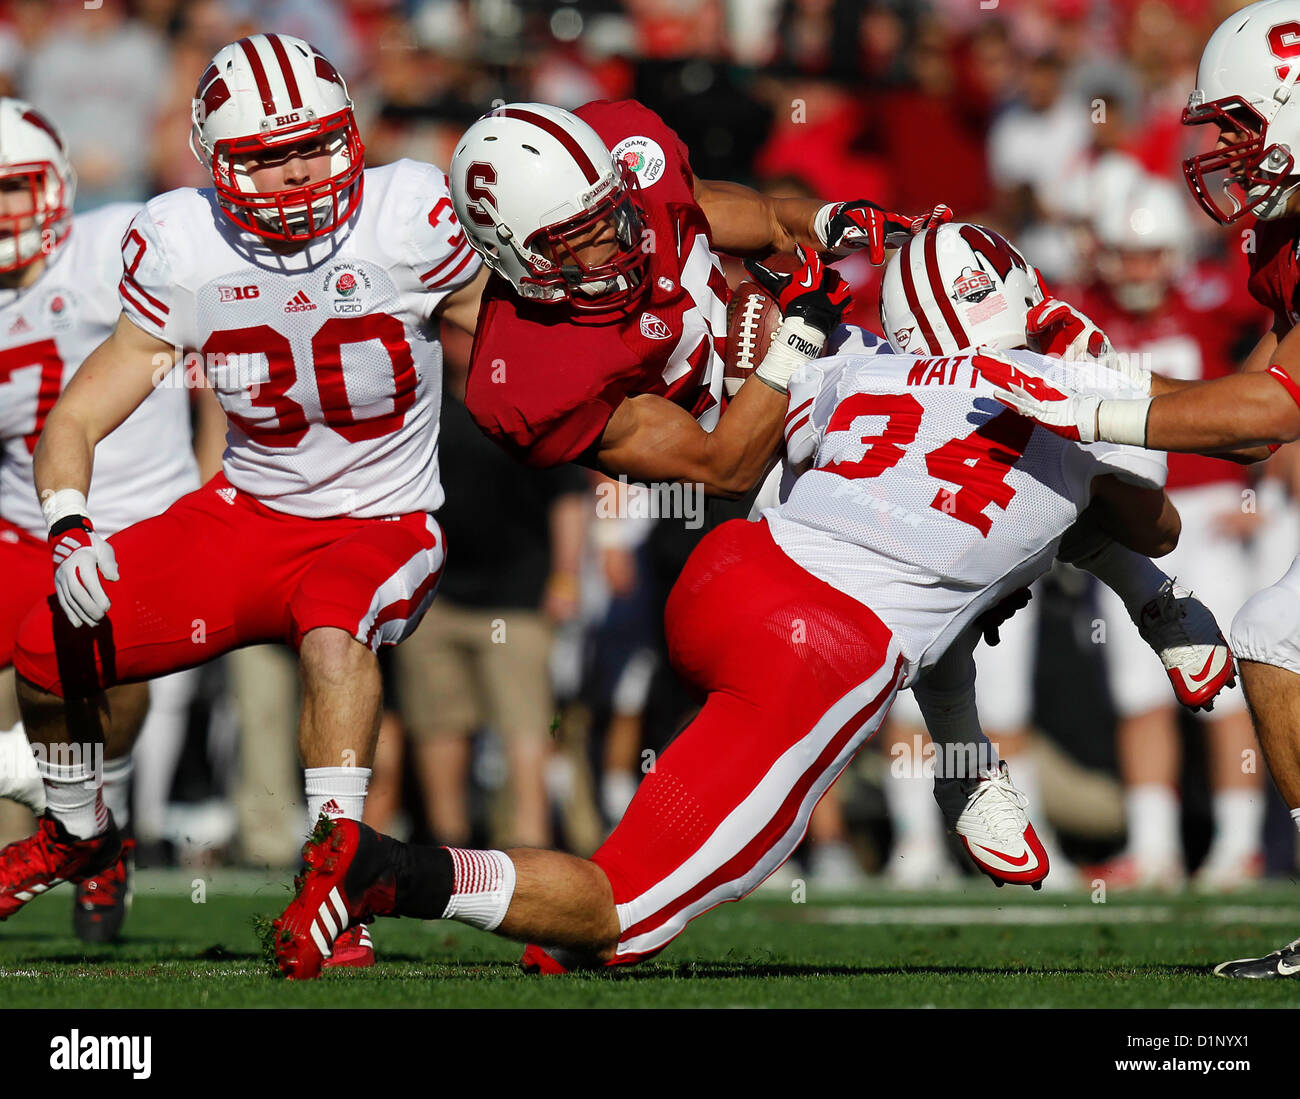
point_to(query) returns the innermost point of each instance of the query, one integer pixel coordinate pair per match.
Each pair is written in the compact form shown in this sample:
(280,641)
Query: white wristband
(58,504)
(1123,421)
(796,342)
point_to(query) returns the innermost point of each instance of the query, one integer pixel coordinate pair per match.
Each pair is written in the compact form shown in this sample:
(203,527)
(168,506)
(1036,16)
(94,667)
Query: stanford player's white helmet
(1246,87)
(259,96)
(1144,241)
(533,185)
(956,287)
(33,162)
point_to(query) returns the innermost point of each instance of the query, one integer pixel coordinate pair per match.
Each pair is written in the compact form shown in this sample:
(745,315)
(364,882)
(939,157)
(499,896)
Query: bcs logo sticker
(642,155)
(971,285)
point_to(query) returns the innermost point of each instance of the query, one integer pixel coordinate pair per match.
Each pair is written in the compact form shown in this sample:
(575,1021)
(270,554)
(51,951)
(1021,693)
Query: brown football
(752,320)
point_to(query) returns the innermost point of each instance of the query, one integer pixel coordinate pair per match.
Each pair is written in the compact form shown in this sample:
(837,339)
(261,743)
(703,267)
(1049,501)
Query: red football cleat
(50,857)
(352,949)
(537,960)
(102,902)
(348,880)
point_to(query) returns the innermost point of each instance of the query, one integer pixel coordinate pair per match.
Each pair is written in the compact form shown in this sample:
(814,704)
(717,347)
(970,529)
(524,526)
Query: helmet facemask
(26,237)
(291,214)
(1240,175)
(559,273)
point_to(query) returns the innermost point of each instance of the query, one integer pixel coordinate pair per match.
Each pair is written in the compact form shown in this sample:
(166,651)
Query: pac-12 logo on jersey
(652,328)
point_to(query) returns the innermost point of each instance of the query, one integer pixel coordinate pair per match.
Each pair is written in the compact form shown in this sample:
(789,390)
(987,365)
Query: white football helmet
(527,181)
(956,287)
(33,160)
(1246,86)
(1151,219)
(259,95)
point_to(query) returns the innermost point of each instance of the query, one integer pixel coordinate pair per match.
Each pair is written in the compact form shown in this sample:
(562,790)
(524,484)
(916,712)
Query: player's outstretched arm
(744,222)
(113,381)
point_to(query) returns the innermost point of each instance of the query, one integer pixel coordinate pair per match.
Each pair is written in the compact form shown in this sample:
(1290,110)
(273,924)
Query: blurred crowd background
(536,693)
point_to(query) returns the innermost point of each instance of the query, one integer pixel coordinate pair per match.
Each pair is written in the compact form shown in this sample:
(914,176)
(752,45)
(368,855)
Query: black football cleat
(103,901)
(1278,964)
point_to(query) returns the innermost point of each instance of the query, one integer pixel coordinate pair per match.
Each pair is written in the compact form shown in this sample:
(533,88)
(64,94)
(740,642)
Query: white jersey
(46,331)
(323,359)
(929,501)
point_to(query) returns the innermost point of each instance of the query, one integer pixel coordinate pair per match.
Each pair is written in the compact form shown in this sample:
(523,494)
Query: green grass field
(972,948)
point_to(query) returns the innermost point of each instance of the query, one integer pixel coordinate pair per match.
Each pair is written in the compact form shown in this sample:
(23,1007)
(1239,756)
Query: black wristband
(71,522)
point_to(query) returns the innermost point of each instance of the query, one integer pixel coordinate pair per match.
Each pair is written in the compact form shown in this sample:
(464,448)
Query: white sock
(117,789)
(1134,578)
(1153,812)
(912,811)
(336,792)
(19,778)
(1238,821)
(482,885)
(74,798)
(1295,817)
(616,791)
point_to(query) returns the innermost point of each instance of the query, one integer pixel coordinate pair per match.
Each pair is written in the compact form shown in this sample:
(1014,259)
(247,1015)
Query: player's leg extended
(799,677)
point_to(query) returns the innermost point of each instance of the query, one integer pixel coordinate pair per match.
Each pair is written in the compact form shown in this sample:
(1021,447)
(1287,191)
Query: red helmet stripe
(286,70)
(259,74)
(914,302)
(940,293)
(40,122)
(560,134)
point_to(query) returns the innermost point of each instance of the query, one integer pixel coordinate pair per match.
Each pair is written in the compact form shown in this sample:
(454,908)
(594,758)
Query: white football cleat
(995,830)
(19,778)
(1181,631)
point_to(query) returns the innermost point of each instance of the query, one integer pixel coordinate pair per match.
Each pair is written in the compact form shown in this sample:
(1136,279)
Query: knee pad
(1267,628)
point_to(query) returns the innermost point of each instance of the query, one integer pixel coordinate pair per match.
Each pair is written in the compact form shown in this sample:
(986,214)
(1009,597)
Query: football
(752,320)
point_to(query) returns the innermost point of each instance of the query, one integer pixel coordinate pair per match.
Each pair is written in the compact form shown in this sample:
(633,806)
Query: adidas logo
(300,303)
(20,325)
(227,494)
(331,808)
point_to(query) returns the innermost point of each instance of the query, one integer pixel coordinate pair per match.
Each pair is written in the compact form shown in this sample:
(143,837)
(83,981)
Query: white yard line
(1033,915)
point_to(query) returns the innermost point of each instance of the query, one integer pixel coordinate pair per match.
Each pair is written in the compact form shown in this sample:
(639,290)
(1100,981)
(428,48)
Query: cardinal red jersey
(544,383)
(1186,339)
(1275,270)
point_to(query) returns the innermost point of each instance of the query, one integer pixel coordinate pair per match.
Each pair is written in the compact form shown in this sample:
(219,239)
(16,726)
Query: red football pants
(218,570)
(798,676)
(26,577)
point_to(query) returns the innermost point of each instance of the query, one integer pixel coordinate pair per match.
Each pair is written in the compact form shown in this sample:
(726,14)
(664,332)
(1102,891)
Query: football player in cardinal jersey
(926,507)
(1246,90)
(58,301)
(602,331)
(308,285)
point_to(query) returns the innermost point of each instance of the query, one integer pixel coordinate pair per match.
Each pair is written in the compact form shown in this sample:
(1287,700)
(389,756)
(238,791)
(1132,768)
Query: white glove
(1071,416)
(80,557)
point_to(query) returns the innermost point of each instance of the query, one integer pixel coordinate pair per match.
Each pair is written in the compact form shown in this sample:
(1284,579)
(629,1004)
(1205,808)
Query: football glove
(846,227)
(80,557)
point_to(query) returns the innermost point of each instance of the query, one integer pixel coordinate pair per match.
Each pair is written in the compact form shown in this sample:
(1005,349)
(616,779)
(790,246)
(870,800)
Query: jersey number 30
(977,464)
(336,408)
